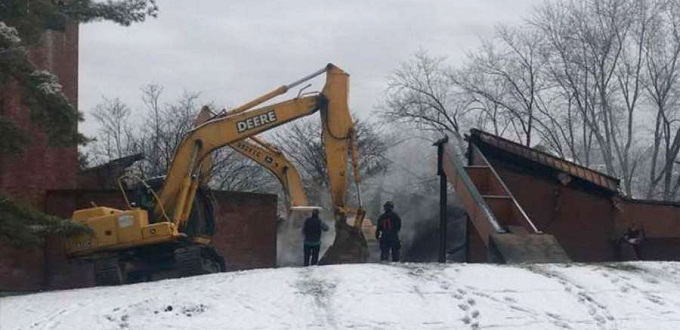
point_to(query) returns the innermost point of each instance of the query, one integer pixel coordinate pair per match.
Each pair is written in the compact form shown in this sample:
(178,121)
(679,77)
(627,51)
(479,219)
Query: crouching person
(312,232)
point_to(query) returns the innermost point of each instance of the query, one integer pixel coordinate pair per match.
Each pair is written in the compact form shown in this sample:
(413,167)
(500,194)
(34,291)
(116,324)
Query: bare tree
(661,60)
(597,51)
(163,128)
(157,135)
(421,93)
(115,138)
(483,111)
(232,171)
(507,71)
(151,95)
(586,77)
(585,43)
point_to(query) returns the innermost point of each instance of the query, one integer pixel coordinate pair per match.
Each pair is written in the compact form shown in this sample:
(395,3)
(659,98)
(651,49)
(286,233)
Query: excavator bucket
(349,246)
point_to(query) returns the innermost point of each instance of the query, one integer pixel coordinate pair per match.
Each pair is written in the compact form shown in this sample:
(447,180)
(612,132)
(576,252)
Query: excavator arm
(268,156)
(183,174)
(246,121)
(273,160)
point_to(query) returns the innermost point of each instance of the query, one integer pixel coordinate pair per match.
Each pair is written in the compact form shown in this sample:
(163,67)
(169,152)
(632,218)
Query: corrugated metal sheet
(573,169)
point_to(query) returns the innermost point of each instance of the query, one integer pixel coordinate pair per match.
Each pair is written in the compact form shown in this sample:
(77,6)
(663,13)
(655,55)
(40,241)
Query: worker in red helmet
(387,233)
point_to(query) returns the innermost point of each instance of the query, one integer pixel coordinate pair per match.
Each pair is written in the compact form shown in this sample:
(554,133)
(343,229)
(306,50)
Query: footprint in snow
(655,299)
(471,315)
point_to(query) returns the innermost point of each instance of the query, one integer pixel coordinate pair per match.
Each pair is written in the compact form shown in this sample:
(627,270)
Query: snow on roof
(641,295)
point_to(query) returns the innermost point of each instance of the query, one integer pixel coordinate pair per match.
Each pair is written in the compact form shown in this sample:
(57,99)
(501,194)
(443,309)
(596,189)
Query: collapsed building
(525,205)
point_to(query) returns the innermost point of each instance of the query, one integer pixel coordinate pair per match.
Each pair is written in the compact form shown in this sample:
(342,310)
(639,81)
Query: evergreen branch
(25,227)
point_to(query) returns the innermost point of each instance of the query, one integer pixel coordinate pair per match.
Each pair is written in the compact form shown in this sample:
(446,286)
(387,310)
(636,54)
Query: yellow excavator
(168,229)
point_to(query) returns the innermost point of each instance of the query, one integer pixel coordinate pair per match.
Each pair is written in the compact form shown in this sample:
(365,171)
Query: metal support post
(442,198)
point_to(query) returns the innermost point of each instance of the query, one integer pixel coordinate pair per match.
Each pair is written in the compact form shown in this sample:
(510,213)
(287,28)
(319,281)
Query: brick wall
(27,177)
(246,229)
(20,269)
(39,168)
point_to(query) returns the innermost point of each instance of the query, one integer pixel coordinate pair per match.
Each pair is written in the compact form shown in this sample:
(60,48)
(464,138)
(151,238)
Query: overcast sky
(233,51)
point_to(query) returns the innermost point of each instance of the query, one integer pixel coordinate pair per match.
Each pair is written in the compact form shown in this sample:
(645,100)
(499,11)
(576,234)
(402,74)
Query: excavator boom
(200,142)
(244,122)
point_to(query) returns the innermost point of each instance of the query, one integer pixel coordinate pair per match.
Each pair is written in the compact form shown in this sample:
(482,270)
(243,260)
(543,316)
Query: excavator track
(107,272)
(197,260)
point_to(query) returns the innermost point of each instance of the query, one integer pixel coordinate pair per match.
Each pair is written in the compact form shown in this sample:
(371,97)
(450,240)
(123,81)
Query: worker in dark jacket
(312,231)
(387,232)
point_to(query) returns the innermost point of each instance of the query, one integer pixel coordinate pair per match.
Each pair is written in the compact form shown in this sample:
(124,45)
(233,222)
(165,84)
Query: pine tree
(21,24)
(23,226)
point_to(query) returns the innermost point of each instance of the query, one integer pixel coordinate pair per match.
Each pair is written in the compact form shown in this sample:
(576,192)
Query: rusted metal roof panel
(598,178)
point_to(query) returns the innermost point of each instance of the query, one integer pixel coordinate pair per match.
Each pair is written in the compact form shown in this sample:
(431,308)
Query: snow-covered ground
(642,295)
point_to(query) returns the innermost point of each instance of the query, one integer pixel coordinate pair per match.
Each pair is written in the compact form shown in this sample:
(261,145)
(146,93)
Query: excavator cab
(201,221)
(142,196)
